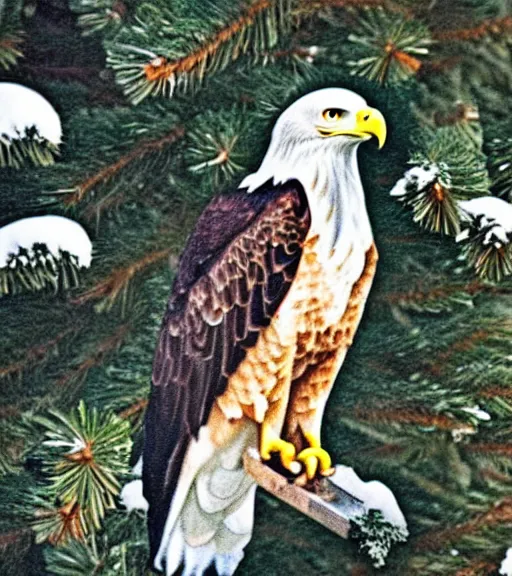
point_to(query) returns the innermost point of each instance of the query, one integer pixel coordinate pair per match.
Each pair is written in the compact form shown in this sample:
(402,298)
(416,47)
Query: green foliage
(387,46)
(85,454)
(35,268)
(500,167)
(30,148)
(150,58)
(213,146)
(375,536)
(100,16)
(75,559)
(11,35)
(121,550)
(487,247)
(451,168)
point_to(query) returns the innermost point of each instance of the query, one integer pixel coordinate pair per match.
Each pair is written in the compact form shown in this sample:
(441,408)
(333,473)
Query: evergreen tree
(163,103)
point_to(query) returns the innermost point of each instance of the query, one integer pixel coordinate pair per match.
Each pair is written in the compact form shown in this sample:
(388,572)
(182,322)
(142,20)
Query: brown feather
(231,279)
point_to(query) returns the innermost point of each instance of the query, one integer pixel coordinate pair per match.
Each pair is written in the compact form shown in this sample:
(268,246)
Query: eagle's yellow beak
(369,122)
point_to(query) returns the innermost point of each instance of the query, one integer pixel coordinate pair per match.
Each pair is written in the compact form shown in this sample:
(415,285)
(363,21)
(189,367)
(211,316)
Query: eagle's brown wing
(235,271)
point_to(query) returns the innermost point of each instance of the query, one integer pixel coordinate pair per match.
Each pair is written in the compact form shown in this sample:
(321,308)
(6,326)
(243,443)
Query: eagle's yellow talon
(313,441)
(315,458)
(270,442)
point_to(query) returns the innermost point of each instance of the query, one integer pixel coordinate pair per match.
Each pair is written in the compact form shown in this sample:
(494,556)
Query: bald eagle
(268,295)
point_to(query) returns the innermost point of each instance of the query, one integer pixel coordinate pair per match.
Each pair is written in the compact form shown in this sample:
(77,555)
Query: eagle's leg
(304,418)
(270,442)
(311,389)
(272,423)
(315,458)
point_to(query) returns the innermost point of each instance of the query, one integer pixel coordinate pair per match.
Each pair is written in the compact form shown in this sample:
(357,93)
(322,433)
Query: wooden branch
(331,506)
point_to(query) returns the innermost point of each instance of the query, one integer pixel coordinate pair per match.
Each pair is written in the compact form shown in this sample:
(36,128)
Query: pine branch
(255,29)
(459,346)
(15,153)
(36,354)
(134,409)
(473,288)
(407,415)
(478,568)
(106,16)
(103,349)
(11,35)
(500,513)
(496,392)
(84,455)
(10,49)
(119,279)
(449,168)
(313,6)
(488,448)
(387,46)
(159,69)
(13,537)
(435,489)
(108,172)
(494,27)
(58,525)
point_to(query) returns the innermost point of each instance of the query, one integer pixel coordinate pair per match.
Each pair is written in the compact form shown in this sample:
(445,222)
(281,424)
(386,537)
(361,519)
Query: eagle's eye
(333,114)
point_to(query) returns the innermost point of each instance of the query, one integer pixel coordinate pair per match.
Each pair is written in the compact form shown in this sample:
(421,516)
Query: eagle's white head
(324,125)
(315,141)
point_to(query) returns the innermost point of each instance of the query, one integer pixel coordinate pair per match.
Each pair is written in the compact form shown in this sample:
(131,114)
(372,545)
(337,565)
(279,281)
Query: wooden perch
(330,505)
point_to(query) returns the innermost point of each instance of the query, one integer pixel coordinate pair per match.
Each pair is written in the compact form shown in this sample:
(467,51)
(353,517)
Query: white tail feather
(212,513)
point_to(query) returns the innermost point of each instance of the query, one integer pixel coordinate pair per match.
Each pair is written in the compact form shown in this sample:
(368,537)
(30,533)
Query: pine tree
(163,104)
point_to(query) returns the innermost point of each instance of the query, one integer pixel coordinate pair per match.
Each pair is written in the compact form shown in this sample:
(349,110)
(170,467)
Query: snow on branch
(30,128)
(42,251)
(486,236)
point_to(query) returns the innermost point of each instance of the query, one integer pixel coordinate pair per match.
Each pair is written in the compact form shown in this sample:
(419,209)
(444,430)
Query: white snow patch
(492,213)
(131,496)
(506,565)
(415,179)
(374,494)
(490,209)
(478,413)
(22,108)
(56,232)
(137,469)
